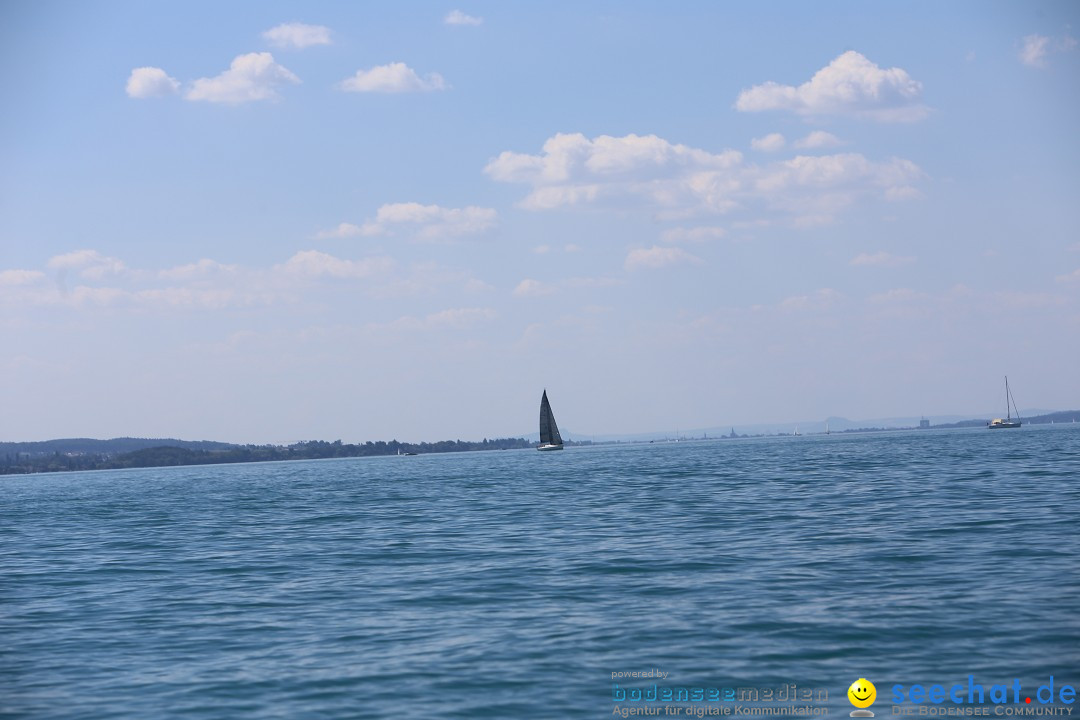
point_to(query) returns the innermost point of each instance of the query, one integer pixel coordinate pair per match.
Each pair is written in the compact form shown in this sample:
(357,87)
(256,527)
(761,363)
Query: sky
(266,222)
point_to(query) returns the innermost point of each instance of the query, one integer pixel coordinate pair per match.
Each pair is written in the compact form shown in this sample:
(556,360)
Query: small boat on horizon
(549,431)
(1010,405)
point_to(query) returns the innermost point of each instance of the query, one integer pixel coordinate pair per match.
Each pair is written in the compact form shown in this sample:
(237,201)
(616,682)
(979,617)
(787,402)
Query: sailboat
(549,431)
(1010,405)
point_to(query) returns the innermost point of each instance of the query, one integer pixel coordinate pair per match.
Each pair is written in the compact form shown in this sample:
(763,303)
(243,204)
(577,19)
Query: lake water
(514,584)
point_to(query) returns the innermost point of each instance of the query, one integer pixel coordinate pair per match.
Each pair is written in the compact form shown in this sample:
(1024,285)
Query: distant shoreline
(81,454)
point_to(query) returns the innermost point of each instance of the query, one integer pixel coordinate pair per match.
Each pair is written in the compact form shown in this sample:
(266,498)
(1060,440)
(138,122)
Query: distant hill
(115,446)
(86,454)
(1062,416)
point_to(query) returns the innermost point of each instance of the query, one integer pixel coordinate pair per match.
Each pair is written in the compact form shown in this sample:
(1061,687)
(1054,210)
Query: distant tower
(924,424)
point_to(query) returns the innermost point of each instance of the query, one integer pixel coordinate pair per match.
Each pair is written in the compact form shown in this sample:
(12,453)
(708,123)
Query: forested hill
(58,455)
(1062,416)
(115,446)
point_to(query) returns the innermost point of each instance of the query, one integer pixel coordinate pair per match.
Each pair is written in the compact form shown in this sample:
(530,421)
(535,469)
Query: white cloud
(201,269)
(90,263)
(817,139)
(820,300)
(20,277)
(460,317)
(593,282)
(900,193)
(850,85)
(428,222)
(456,17)
(1033,52)
(573,169)
(1074,276)
(312,264)
(532,288)
(770,143)
(542,249)
(344,230)
(658,257)
(453,318)
(881,259)
(824,171)
(297,35)
(254,76)
(147,82)
(679,181)
(392,78)
(897,296)
(694,234)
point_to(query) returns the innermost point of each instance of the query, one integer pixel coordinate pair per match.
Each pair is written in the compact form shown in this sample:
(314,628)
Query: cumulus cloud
(817,139)
(573,169)
(829,171)
(201,269)
(20,277)
(297,35)
(679,181)
(254,76)
(460,317)
(819,300)
(1036,49)
(881,259)
(452,318)
(425,222)
(657,257)
(392,78)
(205,284)
(148,82)
(849,85)
(345,230)
(90,264)
(694,234)
(456,17)
(313,264)
(1033,52)
(770,143)
(532,288)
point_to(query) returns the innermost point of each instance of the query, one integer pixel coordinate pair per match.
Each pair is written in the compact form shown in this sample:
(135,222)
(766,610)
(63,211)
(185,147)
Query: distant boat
(1010,405)
(796,433)
(549,431)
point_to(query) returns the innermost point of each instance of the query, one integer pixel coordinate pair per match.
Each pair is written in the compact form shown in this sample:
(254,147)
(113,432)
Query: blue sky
(267,222)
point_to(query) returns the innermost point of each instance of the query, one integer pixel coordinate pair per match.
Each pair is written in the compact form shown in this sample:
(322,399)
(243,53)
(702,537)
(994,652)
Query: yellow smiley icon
(862,693)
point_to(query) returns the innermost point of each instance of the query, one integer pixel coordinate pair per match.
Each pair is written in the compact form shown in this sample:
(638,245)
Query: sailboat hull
(545,448)
(1003,424)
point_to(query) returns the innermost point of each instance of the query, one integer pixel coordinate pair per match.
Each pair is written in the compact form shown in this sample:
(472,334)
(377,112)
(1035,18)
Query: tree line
(19,462)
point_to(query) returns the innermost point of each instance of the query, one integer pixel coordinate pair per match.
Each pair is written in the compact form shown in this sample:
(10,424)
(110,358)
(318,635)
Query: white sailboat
(549,431)
(1010,405)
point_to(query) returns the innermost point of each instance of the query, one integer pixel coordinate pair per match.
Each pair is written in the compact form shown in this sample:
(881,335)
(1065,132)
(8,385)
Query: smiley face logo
(862,693)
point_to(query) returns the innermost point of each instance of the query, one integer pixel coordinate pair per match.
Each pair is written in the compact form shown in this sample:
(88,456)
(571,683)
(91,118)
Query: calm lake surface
(513,584)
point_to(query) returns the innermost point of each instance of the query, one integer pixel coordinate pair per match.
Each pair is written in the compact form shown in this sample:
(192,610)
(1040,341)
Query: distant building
(924,424)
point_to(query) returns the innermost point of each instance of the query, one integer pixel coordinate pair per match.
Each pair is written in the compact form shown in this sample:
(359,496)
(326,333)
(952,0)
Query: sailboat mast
(1008,411)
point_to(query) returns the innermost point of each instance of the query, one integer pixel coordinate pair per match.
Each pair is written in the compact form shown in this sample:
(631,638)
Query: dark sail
(549,431)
